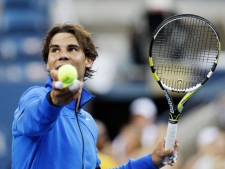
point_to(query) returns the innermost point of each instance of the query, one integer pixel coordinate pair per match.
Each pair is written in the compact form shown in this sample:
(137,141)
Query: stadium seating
(23,24)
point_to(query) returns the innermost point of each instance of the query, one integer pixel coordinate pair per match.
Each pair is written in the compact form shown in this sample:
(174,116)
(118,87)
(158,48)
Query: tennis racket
(183,55)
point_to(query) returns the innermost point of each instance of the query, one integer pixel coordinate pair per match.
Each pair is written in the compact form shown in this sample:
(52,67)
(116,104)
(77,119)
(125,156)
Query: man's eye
(72,49)
(55,50)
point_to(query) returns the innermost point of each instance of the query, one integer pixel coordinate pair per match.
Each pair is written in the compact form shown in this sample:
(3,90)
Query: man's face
(64,49)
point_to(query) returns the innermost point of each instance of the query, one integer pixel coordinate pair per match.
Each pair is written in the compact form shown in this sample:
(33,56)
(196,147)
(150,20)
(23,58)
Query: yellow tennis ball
(67,74)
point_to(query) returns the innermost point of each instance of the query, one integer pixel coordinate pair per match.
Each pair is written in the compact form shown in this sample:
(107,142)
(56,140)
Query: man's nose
(64,56)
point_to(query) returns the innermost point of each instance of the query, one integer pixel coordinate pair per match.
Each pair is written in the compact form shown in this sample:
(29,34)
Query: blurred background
(122,29)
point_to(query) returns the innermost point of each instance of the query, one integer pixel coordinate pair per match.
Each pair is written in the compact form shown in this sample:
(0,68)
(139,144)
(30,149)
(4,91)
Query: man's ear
(88,62)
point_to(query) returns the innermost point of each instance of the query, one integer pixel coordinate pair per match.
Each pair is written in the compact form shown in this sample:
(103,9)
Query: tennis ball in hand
(67,74)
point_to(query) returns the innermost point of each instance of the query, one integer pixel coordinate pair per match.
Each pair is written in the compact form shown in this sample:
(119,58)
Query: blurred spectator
(22,25)
(126,144)
(143,113)
(140,134)
(155,11)
(210,152)
(104,146)
(221,114)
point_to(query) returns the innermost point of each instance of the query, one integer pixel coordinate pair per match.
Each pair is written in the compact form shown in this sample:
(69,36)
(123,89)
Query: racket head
(184,52)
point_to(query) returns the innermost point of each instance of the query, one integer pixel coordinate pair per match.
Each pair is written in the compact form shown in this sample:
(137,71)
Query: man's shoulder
(35,89)
(32,93)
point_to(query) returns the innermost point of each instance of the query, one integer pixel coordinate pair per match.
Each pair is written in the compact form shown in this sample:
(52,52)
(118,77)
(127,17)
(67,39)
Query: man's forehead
(63,39)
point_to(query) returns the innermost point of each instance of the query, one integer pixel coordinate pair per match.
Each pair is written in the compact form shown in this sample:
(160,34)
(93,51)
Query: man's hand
(64,96)
(160,153)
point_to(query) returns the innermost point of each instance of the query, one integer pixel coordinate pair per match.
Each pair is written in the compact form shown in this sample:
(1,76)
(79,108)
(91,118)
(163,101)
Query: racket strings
(184,52)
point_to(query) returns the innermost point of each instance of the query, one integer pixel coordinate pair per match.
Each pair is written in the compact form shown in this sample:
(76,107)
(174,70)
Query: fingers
(170,156)
(63,95)
(75,85)
(173,157)
(54,75)
(162,157)
(176,146)
(175,149)
(57,85)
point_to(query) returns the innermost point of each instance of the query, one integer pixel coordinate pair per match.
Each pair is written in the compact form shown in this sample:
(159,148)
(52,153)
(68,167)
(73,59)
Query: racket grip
(170,139)
(171,135)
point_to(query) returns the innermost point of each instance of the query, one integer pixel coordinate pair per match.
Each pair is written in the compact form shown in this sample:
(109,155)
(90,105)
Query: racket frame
(175,111)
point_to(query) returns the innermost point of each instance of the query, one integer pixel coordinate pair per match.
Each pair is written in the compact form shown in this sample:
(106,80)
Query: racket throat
(170,102)
(174,113)
(173,118)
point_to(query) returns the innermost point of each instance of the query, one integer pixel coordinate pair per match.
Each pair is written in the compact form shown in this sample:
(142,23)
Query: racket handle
(170,139)
(171,135)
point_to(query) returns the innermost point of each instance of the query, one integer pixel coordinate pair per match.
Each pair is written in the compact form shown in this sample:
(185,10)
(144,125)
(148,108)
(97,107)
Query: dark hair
(83,37)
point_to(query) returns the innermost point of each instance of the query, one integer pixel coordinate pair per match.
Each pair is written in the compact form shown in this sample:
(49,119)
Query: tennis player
(50,128)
